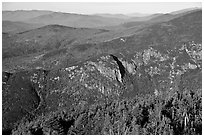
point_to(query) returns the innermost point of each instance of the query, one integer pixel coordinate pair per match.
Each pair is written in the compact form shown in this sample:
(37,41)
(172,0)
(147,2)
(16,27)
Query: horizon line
(200,8)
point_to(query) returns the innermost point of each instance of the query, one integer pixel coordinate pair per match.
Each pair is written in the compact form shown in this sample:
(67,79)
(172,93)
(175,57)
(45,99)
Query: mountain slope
(16,27)
(43,39)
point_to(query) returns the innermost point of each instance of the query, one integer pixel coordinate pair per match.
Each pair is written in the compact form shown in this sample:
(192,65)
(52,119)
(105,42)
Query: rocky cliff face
(101,80)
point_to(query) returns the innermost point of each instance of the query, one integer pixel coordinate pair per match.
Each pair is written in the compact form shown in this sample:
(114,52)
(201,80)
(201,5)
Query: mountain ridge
(74,19)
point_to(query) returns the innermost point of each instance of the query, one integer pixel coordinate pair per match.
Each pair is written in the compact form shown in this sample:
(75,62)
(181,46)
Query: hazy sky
(91,8)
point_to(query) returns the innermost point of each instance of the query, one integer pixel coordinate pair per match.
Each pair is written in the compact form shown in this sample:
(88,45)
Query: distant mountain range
(35,18)
(22,15)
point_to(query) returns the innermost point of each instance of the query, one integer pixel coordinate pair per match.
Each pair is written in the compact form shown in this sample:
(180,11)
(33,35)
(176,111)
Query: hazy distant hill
(185,10)
(170,16)
(120,16)
(141,22)
(66,19)
(80,20)
(60,18)
(75,20)
(137,14)
(21,15)
(145,18)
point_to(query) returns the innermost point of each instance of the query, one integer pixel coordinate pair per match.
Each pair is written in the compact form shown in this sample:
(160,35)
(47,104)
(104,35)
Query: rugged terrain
(65,80)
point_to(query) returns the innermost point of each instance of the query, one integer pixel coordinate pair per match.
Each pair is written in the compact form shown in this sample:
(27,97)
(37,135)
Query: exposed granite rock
(99,80)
